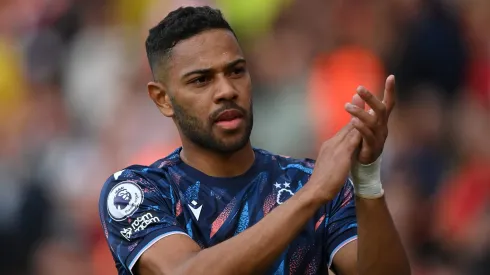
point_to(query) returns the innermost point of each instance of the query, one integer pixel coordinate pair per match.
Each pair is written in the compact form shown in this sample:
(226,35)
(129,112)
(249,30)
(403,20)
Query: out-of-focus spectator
(333,79)
(435,53)
(74,109)
(462,218)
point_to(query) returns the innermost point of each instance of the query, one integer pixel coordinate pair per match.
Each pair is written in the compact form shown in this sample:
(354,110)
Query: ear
(158,93)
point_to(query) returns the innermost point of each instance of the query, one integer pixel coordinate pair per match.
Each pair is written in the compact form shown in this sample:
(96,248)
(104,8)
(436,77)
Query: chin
(231,145)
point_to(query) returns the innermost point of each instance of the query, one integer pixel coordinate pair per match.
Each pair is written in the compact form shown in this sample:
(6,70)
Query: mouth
(229,119)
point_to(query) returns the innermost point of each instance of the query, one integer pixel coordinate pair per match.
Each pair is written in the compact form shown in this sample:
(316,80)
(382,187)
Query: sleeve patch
(124,199)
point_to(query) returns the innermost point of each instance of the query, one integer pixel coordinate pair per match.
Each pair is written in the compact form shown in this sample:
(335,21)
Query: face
(207,92)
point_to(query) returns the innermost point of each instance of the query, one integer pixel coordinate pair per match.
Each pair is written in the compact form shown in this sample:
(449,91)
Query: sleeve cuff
(150,240)
(341,241)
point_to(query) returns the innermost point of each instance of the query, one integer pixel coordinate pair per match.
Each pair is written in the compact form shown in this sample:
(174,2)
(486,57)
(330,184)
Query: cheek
(196,110)
(245,89)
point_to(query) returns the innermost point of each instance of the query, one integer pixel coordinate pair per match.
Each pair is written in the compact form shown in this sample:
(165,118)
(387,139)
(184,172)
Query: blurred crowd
(74,109)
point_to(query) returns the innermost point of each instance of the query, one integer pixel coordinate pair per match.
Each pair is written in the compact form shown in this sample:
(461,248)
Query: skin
(196,90)
(379,247)
(193,100)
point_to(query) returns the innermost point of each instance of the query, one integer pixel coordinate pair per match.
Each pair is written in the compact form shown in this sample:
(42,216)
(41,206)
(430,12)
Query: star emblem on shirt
(280,185)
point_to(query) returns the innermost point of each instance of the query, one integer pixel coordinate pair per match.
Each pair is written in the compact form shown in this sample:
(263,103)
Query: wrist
(367,179)
(317,194)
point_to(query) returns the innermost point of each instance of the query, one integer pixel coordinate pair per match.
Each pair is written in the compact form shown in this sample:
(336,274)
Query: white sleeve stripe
(344,243)
(148,245)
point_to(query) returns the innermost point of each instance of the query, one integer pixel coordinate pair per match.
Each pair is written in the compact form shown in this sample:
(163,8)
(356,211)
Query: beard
(200,132)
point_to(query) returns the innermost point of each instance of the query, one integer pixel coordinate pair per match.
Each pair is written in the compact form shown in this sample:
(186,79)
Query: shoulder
(124,191)
(132,186)
(286,163)
(137,175)
(142,175)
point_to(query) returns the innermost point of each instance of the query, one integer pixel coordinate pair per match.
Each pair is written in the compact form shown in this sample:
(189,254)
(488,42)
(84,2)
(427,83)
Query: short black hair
(181,24)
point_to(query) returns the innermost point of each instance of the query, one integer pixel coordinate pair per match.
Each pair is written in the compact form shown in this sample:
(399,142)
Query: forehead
(209,49)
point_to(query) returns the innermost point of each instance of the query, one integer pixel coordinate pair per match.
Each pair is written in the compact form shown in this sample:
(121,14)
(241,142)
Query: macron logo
(194,210)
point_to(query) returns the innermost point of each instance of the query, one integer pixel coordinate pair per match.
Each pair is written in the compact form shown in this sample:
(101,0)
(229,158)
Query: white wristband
(367,180)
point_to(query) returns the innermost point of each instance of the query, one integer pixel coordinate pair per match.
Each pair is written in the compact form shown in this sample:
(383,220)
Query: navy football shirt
(143,204)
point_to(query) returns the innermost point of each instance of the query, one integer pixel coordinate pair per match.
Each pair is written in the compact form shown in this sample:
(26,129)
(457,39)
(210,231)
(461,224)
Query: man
(219,206)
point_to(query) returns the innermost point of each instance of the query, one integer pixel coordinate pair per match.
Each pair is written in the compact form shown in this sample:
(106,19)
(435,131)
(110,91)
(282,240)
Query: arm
(379,247)
(253,250)
(250,252)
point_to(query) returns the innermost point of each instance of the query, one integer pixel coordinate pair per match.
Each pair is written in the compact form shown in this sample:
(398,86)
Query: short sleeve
(341,226)
(135,213)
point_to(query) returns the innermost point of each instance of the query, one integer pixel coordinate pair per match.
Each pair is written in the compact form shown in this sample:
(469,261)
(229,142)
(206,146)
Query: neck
(217,164)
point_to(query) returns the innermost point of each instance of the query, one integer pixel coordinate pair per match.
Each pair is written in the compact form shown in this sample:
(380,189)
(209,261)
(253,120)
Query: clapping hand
(372,124)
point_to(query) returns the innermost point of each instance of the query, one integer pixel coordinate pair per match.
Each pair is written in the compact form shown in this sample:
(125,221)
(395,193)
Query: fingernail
(361,90)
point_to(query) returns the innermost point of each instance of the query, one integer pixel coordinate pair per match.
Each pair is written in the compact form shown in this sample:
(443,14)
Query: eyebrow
(207,71)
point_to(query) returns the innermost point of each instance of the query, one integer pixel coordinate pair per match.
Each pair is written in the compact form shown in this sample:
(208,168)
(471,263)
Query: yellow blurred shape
(11,81)
(251,17)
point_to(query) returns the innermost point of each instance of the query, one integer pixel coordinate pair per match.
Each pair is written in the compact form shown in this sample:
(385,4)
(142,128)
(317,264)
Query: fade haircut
(179,25)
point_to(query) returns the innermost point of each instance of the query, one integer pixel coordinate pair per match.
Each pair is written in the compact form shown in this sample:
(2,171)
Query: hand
(334,162)
(372,124)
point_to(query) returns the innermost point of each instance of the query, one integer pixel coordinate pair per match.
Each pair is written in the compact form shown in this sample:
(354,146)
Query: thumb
(353,139)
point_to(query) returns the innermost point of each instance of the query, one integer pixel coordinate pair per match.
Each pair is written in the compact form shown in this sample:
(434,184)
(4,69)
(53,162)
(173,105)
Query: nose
(225,90)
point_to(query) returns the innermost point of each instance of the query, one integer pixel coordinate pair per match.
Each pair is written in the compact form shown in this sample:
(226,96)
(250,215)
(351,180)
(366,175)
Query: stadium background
(74,109)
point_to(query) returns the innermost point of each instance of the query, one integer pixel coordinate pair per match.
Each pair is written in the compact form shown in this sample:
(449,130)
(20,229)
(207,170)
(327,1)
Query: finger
(366,133)
(357,101)
(361,114)
(343,132)
(389,94)
(378,107)
(352,140)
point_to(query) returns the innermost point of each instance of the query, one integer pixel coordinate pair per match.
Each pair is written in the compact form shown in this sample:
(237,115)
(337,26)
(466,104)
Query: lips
(229,115)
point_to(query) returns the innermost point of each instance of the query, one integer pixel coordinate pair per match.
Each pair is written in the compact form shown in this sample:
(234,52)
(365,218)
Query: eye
(238,72)
(200,81)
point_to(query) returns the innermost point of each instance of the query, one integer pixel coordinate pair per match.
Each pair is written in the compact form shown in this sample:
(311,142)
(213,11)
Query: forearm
(380,250)
(255,249)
